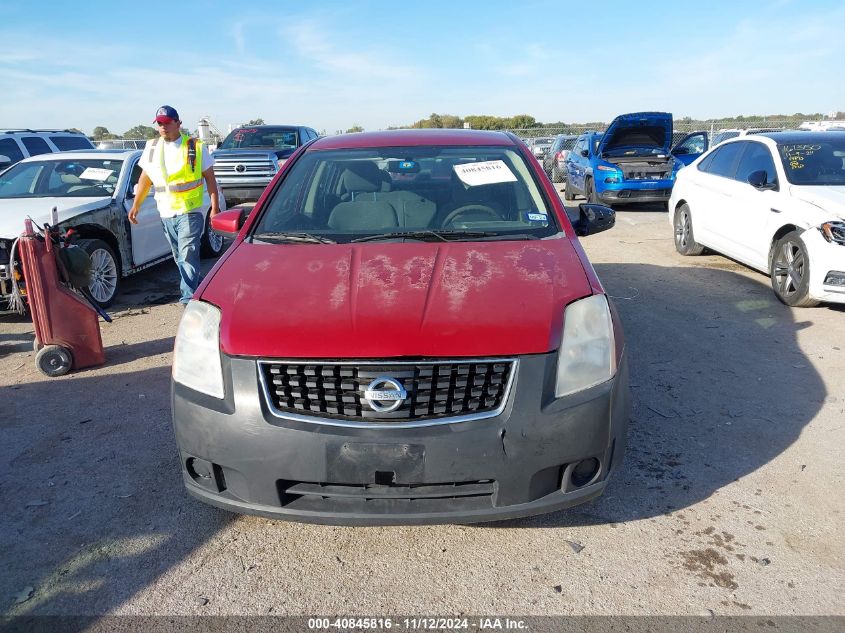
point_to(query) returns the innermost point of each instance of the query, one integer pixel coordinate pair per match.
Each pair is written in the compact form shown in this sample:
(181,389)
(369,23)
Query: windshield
(276,138)
(70,178)
(819,163)
(435,193)
(723,136)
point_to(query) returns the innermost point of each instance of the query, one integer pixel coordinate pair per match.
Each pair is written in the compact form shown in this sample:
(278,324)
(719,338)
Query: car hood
(829,200)
(460,299)
(638,132)
(13,211)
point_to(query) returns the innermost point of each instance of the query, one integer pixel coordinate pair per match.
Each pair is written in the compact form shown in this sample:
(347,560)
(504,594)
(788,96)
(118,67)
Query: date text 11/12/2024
(418,623)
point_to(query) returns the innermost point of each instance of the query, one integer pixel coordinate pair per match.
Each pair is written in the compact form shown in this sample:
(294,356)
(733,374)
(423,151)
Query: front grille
(645,193)
(251,163)
(232,169)
(645,175)
(435,390)
(386,498)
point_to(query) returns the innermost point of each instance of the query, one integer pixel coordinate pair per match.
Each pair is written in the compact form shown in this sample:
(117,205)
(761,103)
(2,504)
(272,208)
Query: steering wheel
(471,208)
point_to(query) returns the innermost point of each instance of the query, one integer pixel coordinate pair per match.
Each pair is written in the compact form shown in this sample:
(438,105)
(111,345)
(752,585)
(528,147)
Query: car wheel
(590,192)
(568,193)
(105,271)
(212,243)
(685,242)
(790,271)
(53,360)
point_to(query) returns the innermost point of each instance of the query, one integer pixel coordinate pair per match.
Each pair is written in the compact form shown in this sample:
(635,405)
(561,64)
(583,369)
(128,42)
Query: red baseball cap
(166,114)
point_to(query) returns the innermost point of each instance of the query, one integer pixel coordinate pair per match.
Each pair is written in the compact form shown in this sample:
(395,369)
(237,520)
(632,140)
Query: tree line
(487,122)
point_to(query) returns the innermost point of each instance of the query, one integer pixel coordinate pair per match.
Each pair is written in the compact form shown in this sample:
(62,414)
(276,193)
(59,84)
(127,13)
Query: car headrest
(364,177)
(363,216)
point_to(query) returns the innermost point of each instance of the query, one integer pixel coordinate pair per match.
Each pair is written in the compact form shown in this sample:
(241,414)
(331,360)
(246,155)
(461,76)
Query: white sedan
(775,202)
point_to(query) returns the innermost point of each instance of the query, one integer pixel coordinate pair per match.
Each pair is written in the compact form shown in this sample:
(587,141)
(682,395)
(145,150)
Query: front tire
(211,244)
(790,271)
(685,242)
(105,271)
(590,191)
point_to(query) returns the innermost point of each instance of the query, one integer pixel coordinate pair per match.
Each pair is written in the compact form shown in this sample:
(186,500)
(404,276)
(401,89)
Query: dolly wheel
(54,360)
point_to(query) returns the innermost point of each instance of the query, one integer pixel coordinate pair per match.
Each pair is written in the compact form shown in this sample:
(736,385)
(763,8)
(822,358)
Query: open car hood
(13,211)
(638,133)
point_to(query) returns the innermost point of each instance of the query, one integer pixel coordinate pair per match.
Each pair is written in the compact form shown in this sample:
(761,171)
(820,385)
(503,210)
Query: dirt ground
(730,500)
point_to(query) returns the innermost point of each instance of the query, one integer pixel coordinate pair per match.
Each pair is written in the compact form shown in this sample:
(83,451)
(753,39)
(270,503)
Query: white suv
(16,145)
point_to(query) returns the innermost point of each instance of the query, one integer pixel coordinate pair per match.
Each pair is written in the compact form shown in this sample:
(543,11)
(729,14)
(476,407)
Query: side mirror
(758,180)
(585,153)
(593,218)
(5,161)
(229,223)
(680,151)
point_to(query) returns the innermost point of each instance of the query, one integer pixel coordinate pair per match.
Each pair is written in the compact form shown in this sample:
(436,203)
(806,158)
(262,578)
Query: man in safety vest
(176,165)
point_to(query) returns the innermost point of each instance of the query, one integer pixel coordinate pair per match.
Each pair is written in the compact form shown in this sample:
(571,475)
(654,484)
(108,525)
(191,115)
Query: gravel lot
(729,502)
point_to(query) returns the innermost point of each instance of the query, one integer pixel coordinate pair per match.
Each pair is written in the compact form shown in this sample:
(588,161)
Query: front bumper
(628,194)
(236,455)
(825,258)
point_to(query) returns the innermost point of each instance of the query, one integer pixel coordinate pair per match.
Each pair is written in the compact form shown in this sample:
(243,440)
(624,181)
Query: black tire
(590,191)
(789,268)
(105,271)
(568,192)
(211,245)
(54,360)
(685,242)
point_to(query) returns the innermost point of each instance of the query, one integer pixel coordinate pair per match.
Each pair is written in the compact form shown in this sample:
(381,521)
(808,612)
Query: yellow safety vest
(183,189)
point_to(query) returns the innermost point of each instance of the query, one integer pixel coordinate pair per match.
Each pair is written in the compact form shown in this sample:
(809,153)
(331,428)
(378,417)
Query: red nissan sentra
(405,330)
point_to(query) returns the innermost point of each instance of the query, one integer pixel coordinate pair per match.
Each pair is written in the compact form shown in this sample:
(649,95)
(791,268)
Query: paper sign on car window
(95,173)
(487,172)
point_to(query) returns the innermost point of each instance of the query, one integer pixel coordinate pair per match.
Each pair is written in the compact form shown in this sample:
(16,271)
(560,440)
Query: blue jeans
(184,233)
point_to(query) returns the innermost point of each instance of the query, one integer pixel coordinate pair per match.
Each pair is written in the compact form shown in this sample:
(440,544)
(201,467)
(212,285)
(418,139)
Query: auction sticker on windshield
(95,173)
(487,172)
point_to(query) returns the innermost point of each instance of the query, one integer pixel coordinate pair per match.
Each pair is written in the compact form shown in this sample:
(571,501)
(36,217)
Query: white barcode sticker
(487,172)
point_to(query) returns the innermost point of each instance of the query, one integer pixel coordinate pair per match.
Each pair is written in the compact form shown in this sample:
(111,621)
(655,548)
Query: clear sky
(331,65)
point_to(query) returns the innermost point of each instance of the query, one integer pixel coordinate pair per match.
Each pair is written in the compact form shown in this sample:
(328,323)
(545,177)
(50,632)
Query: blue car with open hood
(629,162)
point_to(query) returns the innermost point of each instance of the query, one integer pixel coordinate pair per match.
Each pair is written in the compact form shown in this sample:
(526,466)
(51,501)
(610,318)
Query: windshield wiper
(286,236)
(518,237)
(426,235)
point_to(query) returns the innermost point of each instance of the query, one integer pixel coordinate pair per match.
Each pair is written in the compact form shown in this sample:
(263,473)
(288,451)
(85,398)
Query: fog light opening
(835,278)
(199,469)
(584,472)
(206,474)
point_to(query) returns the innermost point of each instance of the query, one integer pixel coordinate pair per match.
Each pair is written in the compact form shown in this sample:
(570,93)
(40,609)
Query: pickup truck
(92,192)
(248,158)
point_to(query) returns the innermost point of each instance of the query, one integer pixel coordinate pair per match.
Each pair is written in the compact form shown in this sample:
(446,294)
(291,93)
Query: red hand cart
(67,329)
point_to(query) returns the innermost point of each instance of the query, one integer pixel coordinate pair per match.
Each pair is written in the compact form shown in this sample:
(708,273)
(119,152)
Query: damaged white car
(775,202)
(92,192)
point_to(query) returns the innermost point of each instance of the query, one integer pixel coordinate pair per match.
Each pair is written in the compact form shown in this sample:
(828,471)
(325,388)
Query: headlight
(196,355)
(587,352)
(833,231)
